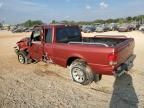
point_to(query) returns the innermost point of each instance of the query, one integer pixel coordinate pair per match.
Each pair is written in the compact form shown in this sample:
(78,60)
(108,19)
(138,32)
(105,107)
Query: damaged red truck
(88,58)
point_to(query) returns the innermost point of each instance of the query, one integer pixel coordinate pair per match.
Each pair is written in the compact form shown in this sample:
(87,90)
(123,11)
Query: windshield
(68,34)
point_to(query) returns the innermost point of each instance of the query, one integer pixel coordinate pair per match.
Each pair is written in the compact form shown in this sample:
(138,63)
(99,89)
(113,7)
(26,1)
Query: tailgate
(124,50)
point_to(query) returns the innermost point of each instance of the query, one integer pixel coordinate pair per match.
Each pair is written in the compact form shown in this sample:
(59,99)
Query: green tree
(65,22)
(129,19)
(1,25)
(134,18)
(109,21)
(30,23)
(53,22)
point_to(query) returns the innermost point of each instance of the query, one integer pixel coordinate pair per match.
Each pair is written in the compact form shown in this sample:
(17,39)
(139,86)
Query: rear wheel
(81,72)
(97,77)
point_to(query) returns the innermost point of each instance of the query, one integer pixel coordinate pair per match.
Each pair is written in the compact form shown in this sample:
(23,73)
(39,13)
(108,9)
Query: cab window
(68,34)
(48,38)
(36,35)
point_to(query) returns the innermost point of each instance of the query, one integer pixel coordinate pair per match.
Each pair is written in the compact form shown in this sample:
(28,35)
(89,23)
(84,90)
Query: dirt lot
(49,86)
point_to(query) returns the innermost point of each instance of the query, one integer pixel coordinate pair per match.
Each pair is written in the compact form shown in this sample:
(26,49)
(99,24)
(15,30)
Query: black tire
(97,77)
(81,72)
(22,57)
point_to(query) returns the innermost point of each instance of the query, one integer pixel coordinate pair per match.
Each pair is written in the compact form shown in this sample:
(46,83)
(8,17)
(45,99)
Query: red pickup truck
(88,58)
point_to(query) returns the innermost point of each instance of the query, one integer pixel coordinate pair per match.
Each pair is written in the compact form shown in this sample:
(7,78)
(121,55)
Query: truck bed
(110,42)
(99,41)
(122,46)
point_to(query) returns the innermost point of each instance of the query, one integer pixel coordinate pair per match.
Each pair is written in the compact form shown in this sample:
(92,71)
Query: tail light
(112,58)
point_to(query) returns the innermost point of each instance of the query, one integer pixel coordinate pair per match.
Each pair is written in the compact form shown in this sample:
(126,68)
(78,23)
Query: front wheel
(22,57)
(81,72)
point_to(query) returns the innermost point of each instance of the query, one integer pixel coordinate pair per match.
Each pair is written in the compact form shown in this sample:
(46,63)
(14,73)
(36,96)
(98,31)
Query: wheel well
(71,59)
(25,51)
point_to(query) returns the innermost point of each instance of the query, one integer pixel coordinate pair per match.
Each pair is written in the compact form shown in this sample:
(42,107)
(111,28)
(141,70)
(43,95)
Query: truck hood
(24,39)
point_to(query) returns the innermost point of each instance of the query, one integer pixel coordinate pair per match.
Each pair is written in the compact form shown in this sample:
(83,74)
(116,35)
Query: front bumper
(16,49)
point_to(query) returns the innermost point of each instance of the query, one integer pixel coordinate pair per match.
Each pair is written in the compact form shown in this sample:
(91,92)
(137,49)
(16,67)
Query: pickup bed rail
(88,43)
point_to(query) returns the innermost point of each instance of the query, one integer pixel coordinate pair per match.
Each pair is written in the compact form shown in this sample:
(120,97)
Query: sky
(18,11)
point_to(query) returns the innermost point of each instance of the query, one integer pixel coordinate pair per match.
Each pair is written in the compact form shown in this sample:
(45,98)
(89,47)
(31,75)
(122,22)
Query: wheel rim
(21,59)
(78,75)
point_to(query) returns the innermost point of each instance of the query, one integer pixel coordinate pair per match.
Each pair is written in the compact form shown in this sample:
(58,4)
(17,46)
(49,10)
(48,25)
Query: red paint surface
(97,57)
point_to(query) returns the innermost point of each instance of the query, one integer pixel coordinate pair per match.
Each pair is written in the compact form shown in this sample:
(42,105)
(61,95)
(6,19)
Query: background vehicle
(102,28)
(124,28)
(17,30)
(132,26)
(141,28)
(87,58)
(112,26)
(88,29)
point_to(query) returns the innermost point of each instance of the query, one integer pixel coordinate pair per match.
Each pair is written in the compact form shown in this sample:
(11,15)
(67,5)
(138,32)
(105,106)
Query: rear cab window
(68,34)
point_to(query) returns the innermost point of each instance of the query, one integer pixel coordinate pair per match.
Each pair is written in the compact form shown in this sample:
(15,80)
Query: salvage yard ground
(50,86)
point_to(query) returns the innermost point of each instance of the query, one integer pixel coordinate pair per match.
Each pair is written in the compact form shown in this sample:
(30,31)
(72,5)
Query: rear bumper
(112,70)
(124,67)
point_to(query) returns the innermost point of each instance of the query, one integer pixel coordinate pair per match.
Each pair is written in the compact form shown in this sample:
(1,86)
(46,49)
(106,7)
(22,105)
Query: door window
(36,35)
(49,36)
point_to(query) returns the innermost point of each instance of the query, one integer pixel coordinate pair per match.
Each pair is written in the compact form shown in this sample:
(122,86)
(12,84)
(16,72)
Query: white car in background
(141,28)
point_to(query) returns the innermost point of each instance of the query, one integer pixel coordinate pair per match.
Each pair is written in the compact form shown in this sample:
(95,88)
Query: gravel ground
(50,86)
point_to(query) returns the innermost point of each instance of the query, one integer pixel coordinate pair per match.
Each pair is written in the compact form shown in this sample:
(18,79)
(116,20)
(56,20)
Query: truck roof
(55,25)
